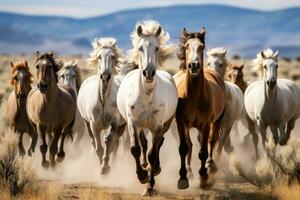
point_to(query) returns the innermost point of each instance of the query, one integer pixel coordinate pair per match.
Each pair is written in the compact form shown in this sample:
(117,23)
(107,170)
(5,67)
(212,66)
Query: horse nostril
(144,73)
(190,66)
(153,72)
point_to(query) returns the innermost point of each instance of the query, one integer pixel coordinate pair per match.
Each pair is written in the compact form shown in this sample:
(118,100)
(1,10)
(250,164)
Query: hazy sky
(87,8)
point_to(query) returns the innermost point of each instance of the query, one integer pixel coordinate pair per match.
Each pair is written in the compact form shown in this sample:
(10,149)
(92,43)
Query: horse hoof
(190,174)
(208,183)
(105,170)
(22,153)
(45,164)
(60,156)
(183,183)
(149,192)
(283,141)
(212,168)
(203,181)
(53,164)
(143,177)
(157,171)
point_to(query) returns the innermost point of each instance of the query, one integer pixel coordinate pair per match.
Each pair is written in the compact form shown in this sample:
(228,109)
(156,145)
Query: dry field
(274,176)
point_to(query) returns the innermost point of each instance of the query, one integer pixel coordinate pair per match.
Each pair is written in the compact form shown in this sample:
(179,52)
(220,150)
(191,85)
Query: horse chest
(270,114)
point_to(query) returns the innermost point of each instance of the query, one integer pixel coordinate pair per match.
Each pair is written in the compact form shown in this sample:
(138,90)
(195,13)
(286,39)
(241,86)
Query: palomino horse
(272,102)
(201,104)
(51,107)
(16,105)
(69,75)
(234,107)
(147,97)
(97,98)
(236,76)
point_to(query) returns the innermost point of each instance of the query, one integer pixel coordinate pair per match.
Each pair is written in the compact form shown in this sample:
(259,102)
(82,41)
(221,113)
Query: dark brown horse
(51,107)
(236,76)
(16,105)
(201,105)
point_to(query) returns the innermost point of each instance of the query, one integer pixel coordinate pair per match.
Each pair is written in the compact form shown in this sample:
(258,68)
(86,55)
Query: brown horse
(201,105)
(236,76)
(16,105)
(51,107)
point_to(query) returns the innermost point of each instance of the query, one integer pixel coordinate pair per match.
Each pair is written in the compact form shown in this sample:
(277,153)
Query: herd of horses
(132,91)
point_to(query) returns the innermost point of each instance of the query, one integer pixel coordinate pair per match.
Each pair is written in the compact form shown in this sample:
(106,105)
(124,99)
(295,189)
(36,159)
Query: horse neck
(104,89)
(242,85)
(196,86)
(52,91)
(146,89)
(270,95)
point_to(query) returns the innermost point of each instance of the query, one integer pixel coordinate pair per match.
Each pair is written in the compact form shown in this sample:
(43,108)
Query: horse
(69,75)
(272,102)
(201,104)
(97,99)
(236,76)
(234,107)
(51,107)
(147,97)
(16,105)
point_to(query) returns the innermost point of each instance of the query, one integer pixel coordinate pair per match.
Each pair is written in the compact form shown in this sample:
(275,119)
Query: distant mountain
(242,31)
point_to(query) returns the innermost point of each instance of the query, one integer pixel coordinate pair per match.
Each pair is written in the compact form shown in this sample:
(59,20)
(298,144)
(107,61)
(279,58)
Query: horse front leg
(183,181)
(108,149)
(136,152)
(274,133)
(96,132)
(43,147)
(60,156)
(22,151)
(34,138)
(154,161)
(53,146)
(89,130)
(203,155)
(144,144)
(252,130)
(284,138)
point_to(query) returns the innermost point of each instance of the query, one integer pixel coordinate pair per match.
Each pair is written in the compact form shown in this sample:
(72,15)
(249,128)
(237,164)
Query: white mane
(100,43)
(258,61)
(150,27)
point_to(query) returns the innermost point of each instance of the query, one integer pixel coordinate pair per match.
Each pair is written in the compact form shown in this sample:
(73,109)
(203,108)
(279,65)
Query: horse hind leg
(224,142)
(89,130)
(116,141)
(252,131)
(274,133)
(284,138)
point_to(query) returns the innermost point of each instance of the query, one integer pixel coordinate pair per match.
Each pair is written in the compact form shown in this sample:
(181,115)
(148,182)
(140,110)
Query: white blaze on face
(106,61)
(270,70)
(148,48)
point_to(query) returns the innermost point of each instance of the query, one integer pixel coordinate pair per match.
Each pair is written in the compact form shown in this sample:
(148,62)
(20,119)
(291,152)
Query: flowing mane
(181,54)
(19,66)
(258,61)
(51,58)
(150,27)
(74,66)
(100,43)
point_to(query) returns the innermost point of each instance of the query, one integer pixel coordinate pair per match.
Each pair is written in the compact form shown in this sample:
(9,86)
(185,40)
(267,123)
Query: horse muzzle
(194,68)
(271,84)
(149,75)
(21,96)
(42,87)
(105,77)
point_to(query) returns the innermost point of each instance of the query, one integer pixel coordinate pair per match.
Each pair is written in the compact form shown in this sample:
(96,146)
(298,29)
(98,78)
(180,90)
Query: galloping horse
(147,97)
(201,104)
(51,107)
(234,107)
(69,75)
(272,102)
(16,105)
(97,98)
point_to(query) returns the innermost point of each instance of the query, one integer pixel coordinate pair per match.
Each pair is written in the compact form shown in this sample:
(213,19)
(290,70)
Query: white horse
(97,98)
(272,102)
(147,97)
(234,107)
(69,75)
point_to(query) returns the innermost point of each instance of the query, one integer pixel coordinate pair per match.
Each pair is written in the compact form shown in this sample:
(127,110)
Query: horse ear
(242,66)
(26,63)
(263,55)
(276,54)
(202,34)
(185,33)
(11,64)
(139,31)
(203,31)
(224,52)
(37,54)
(158,31)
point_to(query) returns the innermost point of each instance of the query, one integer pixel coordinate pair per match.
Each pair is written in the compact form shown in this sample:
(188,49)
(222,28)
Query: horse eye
(15,78)
(113,57)
(221,64)
(100,57)
(265,66)
(37,66)
(156,49)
